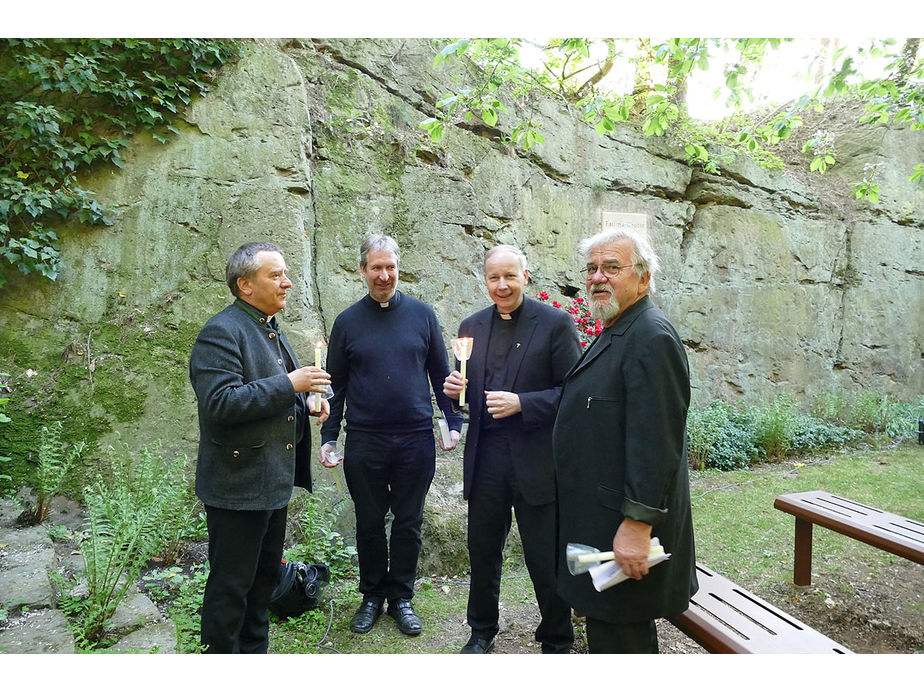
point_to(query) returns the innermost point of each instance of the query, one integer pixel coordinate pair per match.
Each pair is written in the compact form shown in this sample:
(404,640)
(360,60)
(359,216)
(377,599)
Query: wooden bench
(727,619)
(878,528)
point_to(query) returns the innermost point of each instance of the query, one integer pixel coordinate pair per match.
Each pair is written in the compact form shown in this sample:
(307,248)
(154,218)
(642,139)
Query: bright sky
(784,74)
(406,18)
(397,18)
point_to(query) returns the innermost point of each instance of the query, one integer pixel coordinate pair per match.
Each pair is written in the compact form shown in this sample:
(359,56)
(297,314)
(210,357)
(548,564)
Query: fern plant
(134,511)
(54,460)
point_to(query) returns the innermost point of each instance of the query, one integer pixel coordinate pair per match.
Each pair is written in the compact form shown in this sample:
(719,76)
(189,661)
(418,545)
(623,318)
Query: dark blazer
(545,348)
(620,450)
(248,456)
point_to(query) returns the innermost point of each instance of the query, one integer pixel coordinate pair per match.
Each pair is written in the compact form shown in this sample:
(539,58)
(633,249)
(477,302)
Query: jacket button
(290,419)
(279,361)
(288,446)
(235,454)
(272,335)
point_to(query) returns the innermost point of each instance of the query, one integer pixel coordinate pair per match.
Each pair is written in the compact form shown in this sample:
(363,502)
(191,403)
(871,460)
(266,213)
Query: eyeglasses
(609,269)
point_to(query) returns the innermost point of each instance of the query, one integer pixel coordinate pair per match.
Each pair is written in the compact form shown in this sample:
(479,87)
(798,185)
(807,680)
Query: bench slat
(727,619)
(884,530)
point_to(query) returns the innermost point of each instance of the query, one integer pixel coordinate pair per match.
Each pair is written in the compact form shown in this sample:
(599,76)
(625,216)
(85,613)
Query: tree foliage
(573,72)
(67,104)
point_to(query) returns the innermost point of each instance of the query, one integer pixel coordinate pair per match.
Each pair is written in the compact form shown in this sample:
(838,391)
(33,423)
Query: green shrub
(180,592)
(134,511)
(720,437)
(724,437)
(810,434)
(317,540)
(831,406)
(876,412)
(773,428)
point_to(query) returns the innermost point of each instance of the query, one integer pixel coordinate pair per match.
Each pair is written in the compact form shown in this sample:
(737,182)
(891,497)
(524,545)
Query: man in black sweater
(386,352)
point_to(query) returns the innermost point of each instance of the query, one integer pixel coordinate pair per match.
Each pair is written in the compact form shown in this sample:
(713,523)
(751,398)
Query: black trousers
(494,492)
(245,552)
(621,638)
(388,472)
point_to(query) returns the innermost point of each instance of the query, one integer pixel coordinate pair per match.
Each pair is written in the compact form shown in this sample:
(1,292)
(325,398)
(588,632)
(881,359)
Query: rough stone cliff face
(776,286)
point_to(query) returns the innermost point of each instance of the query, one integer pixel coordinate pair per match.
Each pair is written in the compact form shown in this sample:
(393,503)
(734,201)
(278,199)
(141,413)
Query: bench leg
(802,563)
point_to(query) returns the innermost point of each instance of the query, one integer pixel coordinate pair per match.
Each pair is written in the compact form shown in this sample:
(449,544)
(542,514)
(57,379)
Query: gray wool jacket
(253,443)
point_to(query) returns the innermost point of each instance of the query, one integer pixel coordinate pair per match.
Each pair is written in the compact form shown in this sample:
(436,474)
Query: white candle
(317,363)
(462,394)
(462,348)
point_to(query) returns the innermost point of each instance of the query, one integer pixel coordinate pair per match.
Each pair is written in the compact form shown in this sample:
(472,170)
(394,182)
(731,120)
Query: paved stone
(26,586)
(154,638)
(135,611)
(27,558)
(37,632)
(17,539)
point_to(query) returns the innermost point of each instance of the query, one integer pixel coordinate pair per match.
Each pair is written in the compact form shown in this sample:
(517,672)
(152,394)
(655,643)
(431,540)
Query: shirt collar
(390,304)
(513,315)
(255,313)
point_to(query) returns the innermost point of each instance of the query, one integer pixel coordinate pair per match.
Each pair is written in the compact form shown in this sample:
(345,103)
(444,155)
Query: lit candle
(462,348)
(317,363)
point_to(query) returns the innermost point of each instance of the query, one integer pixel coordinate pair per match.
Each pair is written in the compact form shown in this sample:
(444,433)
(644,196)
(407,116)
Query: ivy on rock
(67,104)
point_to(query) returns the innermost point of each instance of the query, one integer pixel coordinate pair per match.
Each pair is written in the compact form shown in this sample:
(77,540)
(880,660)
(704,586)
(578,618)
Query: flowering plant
(587,326)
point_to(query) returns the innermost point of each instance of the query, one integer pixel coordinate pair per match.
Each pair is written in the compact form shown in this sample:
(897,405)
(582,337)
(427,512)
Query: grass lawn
(741,535)
(738,533)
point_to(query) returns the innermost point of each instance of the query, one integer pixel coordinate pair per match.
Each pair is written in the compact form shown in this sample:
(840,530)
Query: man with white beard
(619,443)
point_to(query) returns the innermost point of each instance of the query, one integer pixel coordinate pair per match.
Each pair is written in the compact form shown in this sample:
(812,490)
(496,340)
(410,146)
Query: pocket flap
(610,498)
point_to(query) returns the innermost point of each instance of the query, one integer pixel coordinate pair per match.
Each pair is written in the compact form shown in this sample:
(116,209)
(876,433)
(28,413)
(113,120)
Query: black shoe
(556,649)
(366,615)
(403,613)
(478,645)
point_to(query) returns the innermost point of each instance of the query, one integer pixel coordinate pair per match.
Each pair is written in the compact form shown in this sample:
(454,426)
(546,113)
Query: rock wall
(776,285)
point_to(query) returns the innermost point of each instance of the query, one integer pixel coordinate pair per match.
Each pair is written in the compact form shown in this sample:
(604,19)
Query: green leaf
(489,116)
(604,126)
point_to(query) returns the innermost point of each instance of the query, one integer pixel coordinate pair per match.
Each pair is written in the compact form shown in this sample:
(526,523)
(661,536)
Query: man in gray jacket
(254,445)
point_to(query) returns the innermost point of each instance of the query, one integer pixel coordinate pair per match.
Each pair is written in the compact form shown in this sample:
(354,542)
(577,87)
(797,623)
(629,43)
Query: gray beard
(605,313)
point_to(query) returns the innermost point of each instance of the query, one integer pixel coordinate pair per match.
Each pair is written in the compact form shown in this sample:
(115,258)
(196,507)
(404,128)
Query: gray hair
(644,258)
(243,262)
(378,242)
(505,249)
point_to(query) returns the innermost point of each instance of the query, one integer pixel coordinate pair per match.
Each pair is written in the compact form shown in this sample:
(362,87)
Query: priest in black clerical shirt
(521,351)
